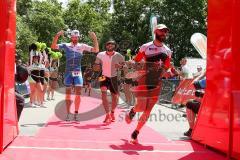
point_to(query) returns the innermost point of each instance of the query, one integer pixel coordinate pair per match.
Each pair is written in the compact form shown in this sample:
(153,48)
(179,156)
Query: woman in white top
(53,79)
(34,78)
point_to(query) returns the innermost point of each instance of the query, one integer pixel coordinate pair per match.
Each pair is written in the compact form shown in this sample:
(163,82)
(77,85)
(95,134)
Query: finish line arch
(218,122)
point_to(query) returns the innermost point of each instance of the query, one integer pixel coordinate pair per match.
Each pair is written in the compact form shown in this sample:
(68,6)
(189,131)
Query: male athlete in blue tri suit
(73,75)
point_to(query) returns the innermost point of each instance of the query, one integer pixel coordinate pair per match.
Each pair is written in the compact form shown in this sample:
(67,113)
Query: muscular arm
(55,40)
(95,48)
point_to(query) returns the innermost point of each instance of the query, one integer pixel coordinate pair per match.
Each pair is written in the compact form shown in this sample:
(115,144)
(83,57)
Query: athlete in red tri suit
(156,57)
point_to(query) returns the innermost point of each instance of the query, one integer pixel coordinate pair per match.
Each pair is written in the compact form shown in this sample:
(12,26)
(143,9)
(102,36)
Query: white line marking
(104,150)
(107,142)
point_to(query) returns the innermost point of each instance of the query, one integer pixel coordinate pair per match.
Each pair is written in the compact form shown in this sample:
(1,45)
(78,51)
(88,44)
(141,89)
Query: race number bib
(76,73)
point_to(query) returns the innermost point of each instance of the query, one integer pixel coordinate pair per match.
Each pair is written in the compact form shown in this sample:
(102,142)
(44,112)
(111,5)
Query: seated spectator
(199,72)
(21,75)
(192,110)
(185,72)
(193,105)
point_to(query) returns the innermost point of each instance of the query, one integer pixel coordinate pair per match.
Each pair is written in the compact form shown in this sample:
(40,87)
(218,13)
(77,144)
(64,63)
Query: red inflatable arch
(218,122)
(8,116)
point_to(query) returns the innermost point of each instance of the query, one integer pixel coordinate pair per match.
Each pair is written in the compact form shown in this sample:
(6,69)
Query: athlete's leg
(143,119)
(114,101)
(49,90)
(53,87)
(114,105)
(104,87)
(45,86)
(39,93)
(104,99)
(192,109)
(68,100)
(190,117)
(77,98)
(113,87)
(52,93)
(85,86)
(32,92)
(41,89)
(78,82)
(141,103)
(105,104)
(140,106)
(89,89)
(68,80)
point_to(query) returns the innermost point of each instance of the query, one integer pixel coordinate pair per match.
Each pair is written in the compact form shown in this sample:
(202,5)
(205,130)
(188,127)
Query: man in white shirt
(185,73)
(199,72)
(109,60)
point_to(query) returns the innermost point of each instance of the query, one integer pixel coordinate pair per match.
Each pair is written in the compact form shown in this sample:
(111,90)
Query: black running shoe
(134,135)
(68,117)
(188,133)
(130,116)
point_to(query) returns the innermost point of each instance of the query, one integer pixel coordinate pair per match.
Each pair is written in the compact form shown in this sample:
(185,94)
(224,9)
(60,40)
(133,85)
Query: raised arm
(55,39)
(95,48)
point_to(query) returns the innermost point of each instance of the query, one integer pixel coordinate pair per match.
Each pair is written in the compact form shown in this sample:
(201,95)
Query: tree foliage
(183,17)
(129,24)
(23,6)
(46,19)
(87,16)
(24,37)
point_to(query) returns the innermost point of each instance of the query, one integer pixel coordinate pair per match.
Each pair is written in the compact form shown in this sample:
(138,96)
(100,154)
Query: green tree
(183,17)
(86,17)
(24,38)
(131,18)
(128,23)
(23,6)
(46,19)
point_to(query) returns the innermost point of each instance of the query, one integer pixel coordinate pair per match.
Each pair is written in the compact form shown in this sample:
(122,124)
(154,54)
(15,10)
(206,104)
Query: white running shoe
(68,117)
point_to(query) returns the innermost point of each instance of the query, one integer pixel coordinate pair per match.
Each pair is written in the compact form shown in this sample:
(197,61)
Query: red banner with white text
(184,92)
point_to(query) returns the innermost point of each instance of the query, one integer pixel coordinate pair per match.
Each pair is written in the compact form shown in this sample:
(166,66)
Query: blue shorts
(202,83)
(70,80)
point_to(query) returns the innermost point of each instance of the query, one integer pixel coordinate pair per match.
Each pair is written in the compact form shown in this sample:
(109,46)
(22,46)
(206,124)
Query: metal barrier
(168,89)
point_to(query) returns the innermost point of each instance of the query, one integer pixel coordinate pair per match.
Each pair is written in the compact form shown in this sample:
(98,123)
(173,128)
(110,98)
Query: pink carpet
(91,140)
